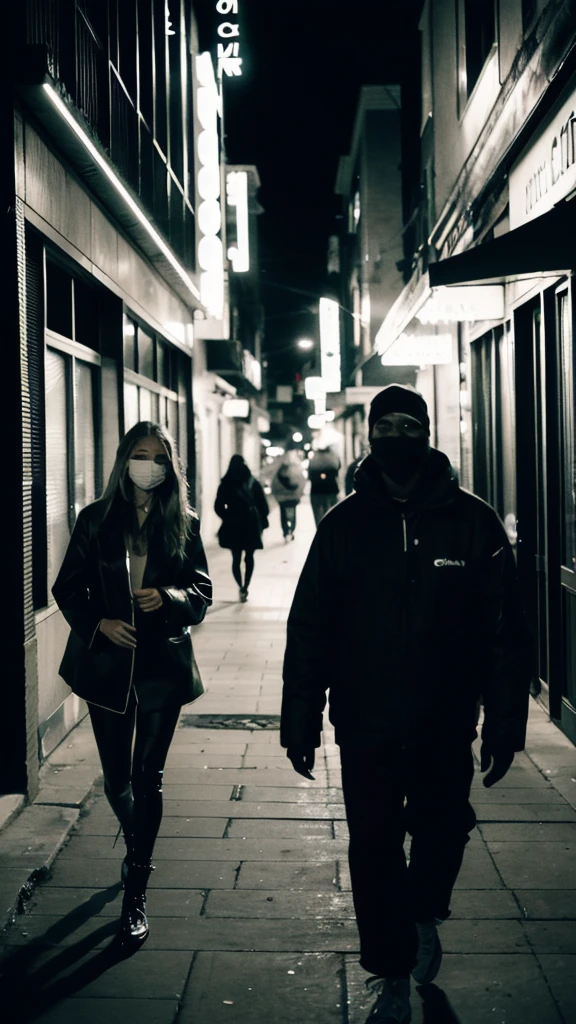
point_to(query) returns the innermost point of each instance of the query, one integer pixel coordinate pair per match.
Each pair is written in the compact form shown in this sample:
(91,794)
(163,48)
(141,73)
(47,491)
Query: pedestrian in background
(243,509)
(408,611)
(133,579)
(323,470)
(288,487)
(350,472)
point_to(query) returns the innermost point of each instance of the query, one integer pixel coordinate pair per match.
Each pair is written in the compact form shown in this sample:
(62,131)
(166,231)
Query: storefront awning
(543,246)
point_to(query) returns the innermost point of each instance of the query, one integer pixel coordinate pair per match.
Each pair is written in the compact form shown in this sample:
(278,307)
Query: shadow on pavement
(32,980)
(436,1008)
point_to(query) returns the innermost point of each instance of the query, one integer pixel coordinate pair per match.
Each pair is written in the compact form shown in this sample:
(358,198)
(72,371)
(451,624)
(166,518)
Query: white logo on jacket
(440,563)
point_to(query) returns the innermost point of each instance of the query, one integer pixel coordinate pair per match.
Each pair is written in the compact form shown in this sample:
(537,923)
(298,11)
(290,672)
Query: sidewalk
(250,904)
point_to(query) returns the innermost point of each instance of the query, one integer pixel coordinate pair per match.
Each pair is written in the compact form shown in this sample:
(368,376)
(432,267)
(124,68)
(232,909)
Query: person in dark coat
(288,487)
(408,611)
(243,509)
(323,470)
(133,580)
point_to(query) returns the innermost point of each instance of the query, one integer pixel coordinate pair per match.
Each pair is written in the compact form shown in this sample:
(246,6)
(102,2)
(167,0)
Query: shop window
(145,63)
(145,353)
(129,337)
(130,406)
(86,315)
(59,302)
(73,477)
(127,51)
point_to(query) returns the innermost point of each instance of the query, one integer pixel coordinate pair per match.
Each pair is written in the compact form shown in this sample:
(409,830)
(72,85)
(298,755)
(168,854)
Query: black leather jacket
(410,615)
(93,584)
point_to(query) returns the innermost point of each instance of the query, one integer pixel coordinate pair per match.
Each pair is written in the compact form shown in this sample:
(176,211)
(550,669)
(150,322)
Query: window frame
(463,93)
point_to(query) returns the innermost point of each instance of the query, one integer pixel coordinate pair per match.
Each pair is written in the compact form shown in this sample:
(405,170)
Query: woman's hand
(120,633)
(149,599)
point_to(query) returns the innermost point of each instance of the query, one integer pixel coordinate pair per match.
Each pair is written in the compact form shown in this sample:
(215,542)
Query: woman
(134,578)
(287,487)
(243,509)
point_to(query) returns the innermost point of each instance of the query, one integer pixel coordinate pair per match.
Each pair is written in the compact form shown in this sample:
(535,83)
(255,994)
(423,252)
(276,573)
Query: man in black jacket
(408,611)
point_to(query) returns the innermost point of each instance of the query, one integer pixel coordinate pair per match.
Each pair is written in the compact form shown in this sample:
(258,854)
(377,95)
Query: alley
(250,904)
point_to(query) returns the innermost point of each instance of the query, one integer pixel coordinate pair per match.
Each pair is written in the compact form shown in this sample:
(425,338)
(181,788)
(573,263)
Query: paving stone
(108,902)
(303,875)
(283,988)
(529,832)
(222,791)
(35,837)
(560,973)
(523,866)
(252,809)
(470,989)
(516,778)
(555,904)
(179,849)
(524,812)
(279,903)
(497,797)
(289,794)
(253,827)
(551,936)
(113,1011)
(176,874)
(479,904)
(181,773)
(483,936)
(171,826)
(48,976)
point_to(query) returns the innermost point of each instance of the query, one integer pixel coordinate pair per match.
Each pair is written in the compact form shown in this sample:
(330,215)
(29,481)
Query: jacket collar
(438,485)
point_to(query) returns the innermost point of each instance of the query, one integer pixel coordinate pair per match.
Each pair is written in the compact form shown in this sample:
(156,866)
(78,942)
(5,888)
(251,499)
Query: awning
(543,246)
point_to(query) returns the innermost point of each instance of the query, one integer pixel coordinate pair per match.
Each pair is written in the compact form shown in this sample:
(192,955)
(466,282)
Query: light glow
(329,415)
(314,388)
(305,343)
(297,437)
(273,452)
(315,422)
(236,408)
(320,405)
(330,344)
(237,195)
(122,191)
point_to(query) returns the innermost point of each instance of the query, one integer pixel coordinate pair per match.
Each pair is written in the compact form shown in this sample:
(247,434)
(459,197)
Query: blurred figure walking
(288,487)
(323,473)
(243,509)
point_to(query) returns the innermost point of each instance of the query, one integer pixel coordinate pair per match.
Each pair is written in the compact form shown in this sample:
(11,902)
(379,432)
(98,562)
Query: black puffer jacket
(93,584)
(410,615)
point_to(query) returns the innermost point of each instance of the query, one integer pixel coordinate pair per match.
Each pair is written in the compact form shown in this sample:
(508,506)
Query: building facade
(117,181)
(493,269)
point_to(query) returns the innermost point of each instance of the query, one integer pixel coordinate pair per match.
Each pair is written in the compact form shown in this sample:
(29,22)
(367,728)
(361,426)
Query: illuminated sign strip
(330,344)
(210,248)
(122,191)
(237,195)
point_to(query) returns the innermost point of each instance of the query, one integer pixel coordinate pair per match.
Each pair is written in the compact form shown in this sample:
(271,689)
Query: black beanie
(398,398)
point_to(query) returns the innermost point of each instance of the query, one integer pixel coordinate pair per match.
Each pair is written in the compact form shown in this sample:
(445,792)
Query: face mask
(400,458)
(146,474)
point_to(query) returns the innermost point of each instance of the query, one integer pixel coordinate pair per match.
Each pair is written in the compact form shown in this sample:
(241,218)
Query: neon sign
(229,60)
(210,248)
(237,195)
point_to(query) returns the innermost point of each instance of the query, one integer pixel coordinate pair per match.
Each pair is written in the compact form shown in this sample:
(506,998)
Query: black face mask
(400,458)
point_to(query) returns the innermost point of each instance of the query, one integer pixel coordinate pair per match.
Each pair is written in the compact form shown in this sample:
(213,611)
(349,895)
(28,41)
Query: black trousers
(237,566)
(423,789)
(287,517)
(133,777)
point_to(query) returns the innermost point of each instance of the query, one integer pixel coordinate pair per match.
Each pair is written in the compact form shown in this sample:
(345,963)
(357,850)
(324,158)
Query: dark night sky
(291,114)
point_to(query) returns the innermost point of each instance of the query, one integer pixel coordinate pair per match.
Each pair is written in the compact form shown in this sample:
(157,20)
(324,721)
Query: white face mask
(146,473)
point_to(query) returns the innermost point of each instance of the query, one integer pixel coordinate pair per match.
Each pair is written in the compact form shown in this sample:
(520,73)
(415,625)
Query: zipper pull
(405,532)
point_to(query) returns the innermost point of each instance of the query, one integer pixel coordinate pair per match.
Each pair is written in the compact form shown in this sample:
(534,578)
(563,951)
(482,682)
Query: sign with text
(547,171)
(229,59)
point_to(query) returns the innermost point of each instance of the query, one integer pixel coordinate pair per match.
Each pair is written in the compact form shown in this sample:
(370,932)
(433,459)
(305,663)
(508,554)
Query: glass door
(568,508)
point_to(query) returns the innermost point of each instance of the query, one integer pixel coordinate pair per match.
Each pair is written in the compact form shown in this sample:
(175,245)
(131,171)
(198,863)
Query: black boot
(128,859)
(133,921)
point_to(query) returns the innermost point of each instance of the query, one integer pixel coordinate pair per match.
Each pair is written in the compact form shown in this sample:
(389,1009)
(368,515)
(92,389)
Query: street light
(305,344)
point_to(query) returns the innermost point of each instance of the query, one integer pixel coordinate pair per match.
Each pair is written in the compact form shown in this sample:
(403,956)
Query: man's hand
(500,760)
(148,600)
(302,759)
(120,633)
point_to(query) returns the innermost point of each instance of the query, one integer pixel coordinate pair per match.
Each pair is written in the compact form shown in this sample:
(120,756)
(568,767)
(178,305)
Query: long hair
(238,472)
(168,521)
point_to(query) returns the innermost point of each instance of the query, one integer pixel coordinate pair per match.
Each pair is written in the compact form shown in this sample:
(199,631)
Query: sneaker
(429,953)
(392,1004)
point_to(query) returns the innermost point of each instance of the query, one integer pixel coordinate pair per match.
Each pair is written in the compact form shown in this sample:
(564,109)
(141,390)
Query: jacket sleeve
(220,504)
(506,691)
(71,589)
(186,603)
(306,659)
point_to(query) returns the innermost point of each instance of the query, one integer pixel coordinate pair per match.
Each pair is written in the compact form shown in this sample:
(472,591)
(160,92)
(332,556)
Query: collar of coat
(438,485)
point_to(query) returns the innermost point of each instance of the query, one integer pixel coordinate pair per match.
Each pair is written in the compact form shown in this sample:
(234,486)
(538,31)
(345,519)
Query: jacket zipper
(132,613)
(406,588)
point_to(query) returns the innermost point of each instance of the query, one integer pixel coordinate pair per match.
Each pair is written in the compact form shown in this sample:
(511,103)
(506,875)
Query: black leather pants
(133,779)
